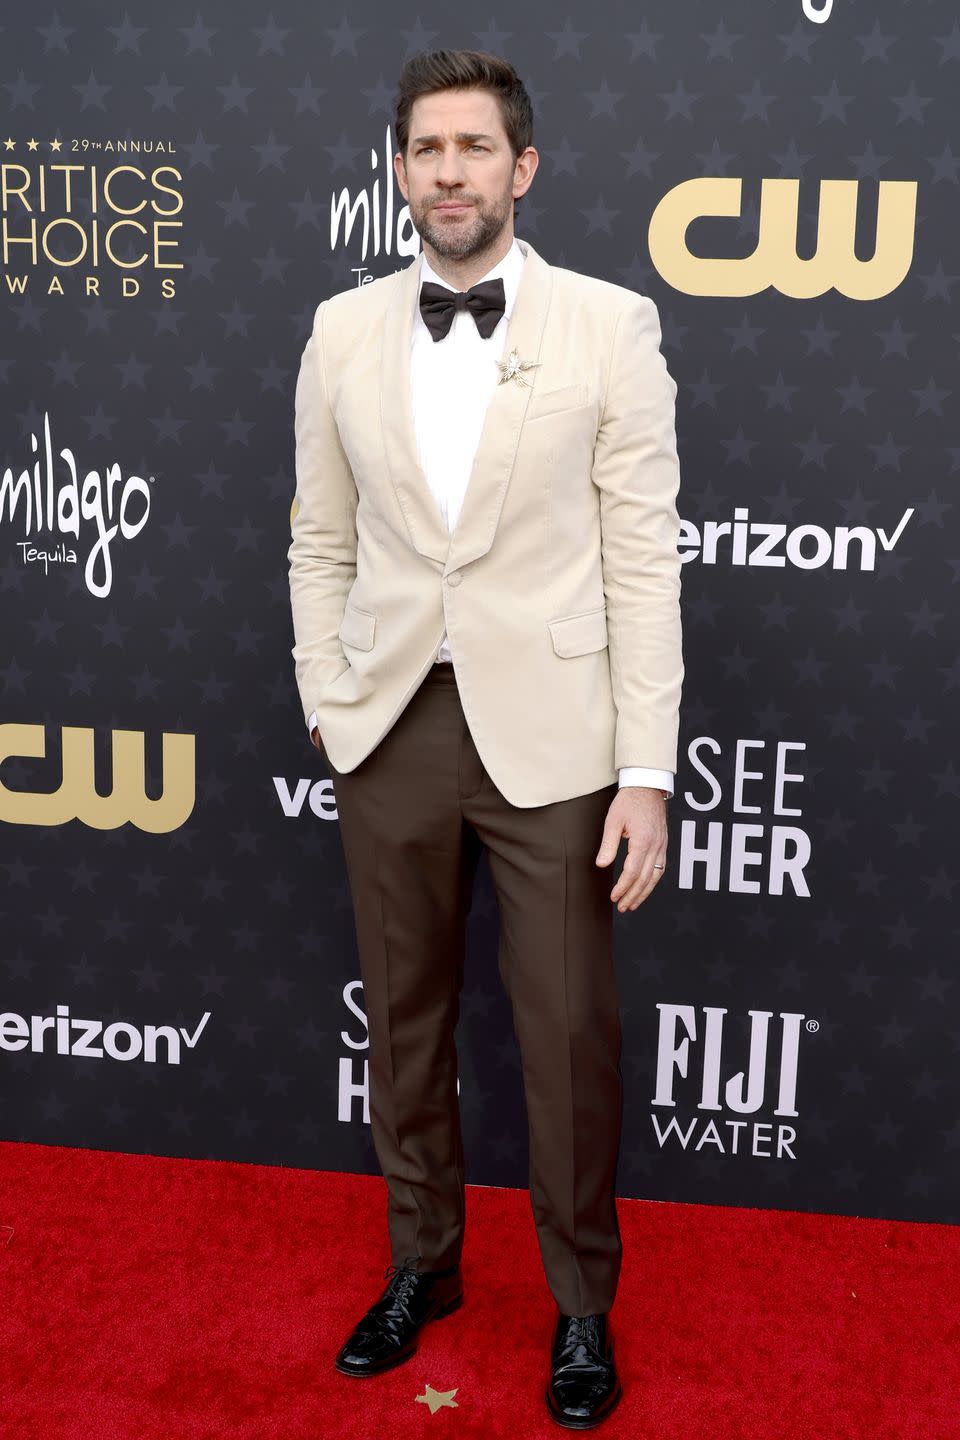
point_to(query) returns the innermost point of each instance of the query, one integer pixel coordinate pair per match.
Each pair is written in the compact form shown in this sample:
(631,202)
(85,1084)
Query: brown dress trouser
(413,817)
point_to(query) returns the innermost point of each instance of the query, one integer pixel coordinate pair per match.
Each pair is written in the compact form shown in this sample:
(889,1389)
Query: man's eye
(478,147)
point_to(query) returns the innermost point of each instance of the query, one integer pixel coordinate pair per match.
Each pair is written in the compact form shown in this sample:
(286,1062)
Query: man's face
(460,177)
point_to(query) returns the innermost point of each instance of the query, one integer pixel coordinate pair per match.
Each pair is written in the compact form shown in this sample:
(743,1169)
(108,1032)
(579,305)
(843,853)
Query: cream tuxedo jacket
(560,585)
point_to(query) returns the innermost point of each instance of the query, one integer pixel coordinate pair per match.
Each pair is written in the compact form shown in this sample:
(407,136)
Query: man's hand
(641,814)
(315,737)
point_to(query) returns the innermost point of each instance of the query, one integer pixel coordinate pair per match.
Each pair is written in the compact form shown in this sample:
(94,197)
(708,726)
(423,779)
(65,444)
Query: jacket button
(454,577)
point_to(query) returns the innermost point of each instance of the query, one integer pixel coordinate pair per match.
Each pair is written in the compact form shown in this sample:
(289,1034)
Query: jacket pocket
(549,402)
(579,634)
(357,628)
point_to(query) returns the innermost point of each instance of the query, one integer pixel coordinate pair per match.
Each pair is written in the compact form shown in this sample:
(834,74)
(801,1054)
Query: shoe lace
(387,1313)
(582,1348)
(402,1279)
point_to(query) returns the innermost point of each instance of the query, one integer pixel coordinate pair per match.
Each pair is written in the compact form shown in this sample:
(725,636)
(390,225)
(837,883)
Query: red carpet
(146,1297)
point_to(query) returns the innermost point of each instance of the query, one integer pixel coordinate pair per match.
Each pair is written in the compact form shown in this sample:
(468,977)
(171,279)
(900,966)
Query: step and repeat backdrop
(180,188)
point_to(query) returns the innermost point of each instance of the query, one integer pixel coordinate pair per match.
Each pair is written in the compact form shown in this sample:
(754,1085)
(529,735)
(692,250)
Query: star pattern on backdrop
(818,416)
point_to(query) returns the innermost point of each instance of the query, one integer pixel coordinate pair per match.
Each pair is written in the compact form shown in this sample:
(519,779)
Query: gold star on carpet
(436,1399)
(510,369)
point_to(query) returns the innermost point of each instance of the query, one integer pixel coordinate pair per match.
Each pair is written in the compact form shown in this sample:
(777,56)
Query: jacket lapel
(493,463)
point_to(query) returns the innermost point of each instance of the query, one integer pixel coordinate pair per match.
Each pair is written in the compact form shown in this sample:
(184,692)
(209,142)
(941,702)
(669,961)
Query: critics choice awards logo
(99,211)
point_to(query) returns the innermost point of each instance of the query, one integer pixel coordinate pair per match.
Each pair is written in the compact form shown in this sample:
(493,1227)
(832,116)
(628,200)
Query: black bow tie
(438,305)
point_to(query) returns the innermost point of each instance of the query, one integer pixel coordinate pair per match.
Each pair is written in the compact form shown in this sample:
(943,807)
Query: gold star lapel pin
(436,1399)
(513,366)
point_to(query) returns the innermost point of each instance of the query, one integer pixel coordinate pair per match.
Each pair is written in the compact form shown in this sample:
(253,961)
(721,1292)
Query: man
(485,589)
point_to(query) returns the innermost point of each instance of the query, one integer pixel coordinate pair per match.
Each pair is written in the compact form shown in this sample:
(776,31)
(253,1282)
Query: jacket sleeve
(637,472)
(323,550)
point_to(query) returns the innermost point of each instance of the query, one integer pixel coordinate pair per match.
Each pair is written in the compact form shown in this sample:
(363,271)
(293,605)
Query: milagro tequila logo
(47,504)
(697,1056)
(371,217)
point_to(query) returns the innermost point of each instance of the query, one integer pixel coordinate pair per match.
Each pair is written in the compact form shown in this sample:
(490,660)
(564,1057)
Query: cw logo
(775,262)
(76,797)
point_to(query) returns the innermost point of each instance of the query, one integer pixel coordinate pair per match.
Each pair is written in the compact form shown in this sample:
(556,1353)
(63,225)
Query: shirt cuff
(640,775)
(311,723)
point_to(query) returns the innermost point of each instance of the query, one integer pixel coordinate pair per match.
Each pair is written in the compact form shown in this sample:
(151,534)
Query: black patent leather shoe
(583,1387)
(388,1333)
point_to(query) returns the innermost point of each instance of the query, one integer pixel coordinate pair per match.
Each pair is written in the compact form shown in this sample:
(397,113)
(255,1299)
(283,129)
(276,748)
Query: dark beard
(464,242)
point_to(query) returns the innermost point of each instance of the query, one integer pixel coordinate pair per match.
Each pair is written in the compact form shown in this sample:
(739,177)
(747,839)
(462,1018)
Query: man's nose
(450,168)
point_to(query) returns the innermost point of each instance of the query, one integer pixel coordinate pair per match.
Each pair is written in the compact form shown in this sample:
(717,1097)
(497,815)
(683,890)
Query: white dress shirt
(451,382)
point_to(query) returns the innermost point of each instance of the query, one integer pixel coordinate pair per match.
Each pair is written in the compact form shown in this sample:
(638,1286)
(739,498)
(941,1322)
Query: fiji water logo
(693,1062)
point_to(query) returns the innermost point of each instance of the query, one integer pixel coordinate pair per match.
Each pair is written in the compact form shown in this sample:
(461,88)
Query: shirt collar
(509,269)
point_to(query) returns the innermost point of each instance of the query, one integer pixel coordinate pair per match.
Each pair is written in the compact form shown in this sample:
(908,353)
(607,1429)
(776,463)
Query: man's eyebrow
(461,135)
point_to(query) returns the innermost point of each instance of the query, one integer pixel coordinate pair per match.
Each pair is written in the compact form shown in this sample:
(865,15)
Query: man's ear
(400,170)
(524,171)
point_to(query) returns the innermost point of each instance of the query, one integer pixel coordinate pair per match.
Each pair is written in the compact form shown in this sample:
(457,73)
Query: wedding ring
(658,867)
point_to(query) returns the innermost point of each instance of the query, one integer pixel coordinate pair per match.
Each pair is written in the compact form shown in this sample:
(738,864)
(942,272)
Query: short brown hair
(434,70)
